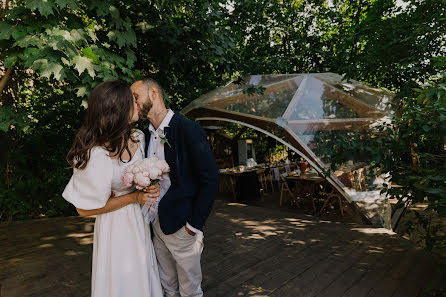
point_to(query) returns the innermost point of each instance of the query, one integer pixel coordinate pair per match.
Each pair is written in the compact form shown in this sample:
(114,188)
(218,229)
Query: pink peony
(162,164)
(145,172)
(154,173)
(127,179)
(142,180)
(147,163)
(152,159)
(137,169)
(163,176)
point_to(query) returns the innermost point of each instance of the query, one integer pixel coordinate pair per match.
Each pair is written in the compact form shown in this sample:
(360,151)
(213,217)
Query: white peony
(147,163)
(142,180)
(162,164)
(137,169)
(144,172)
(154,173)
(152,161)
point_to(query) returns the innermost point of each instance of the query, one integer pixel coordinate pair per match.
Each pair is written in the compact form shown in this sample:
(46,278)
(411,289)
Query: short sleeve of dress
(90,188)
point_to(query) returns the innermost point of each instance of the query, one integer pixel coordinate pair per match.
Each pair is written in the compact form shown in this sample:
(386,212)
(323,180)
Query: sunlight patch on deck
(374,231)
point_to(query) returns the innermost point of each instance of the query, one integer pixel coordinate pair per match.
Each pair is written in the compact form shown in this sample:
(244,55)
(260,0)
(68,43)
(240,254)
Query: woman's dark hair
(106,124)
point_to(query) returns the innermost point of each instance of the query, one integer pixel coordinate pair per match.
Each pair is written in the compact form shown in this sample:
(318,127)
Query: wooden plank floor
(249,251)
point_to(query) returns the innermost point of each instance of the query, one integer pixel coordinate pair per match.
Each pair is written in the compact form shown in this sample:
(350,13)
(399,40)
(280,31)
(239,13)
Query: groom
(187,194)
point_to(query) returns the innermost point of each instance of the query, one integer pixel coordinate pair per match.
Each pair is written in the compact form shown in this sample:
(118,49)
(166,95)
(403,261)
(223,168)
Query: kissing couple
(133,256)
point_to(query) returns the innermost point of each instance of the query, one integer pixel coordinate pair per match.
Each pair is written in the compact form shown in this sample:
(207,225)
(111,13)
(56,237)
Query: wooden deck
(249,251)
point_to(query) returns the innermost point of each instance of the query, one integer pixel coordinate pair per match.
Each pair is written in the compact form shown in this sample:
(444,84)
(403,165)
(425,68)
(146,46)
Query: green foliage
(185,45)
(252,89)
(69,41)
(375,41)
(391,46)
(59,50)
(414,150)
(411,150)
(33,162)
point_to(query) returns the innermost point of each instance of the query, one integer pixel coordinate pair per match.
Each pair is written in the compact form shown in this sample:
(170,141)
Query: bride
(124,262)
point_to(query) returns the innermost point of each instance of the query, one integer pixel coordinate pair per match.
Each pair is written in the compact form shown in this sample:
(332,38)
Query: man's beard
(146,107)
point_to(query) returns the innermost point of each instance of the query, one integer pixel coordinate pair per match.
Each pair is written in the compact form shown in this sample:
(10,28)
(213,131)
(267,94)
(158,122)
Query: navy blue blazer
(193,175)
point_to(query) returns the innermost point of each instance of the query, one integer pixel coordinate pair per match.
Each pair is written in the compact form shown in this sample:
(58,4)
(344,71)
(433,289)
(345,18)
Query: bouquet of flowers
(142,174)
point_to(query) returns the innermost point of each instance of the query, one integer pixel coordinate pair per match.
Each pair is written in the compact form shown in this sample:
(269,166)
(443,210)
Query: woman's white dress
(124,261)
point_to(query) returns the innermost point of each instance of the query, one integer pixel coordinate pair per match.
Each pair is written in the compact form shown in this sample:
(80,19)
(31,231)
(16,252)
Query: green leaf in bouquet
(154,182)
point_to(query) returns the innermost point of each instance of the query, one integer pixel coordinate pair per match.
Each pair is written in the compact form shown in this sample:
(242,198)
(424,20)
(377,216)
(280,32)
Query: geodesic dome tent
(306,112)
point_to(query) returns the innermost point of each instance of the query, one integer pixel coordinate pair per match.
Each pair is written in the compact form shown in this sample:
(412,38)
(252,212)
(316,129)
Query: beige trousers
(178,258)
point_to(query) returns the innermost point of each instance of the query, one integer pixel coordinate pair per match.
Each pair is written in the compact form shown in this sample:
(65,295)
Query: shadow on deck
(249,251)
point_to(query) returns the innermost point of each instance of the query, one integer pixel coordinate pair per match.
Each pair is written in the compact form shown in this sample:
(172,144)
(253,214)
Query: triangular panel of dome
(374,97)
(319,106)
(317,100)
(265,96)
(237,89)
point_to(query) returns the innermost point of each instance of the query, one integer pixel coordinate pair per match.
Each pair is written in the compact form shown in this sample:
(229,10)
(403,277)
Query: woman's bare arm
(115,203)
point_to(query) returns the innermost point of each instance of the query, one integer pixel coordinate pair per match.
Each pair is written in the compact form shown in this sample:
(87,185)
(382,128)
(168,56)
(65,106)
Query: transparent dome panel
(271,104)
(243,85)
(374,97)
(345,151)
(316,100)
(258,80)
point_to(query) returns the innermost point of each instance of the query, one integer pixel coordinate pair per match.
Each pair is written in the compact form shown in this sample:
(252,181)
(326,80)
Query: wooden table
(230,178)
(306,184)
(316,186)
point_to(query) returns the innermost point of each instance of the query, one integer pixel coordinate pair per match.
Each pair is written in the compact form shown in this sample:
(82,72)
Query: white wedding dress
(124,261)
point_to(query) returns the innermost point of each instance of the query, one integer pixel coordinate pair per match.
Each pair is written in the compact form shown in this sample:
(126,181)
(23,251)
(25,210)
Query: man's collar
(164,123)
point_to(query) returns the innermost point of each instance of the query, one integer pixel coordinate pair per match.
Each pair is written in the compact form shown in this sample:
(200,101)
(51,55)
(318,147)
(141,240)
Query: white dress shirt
(156,149)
